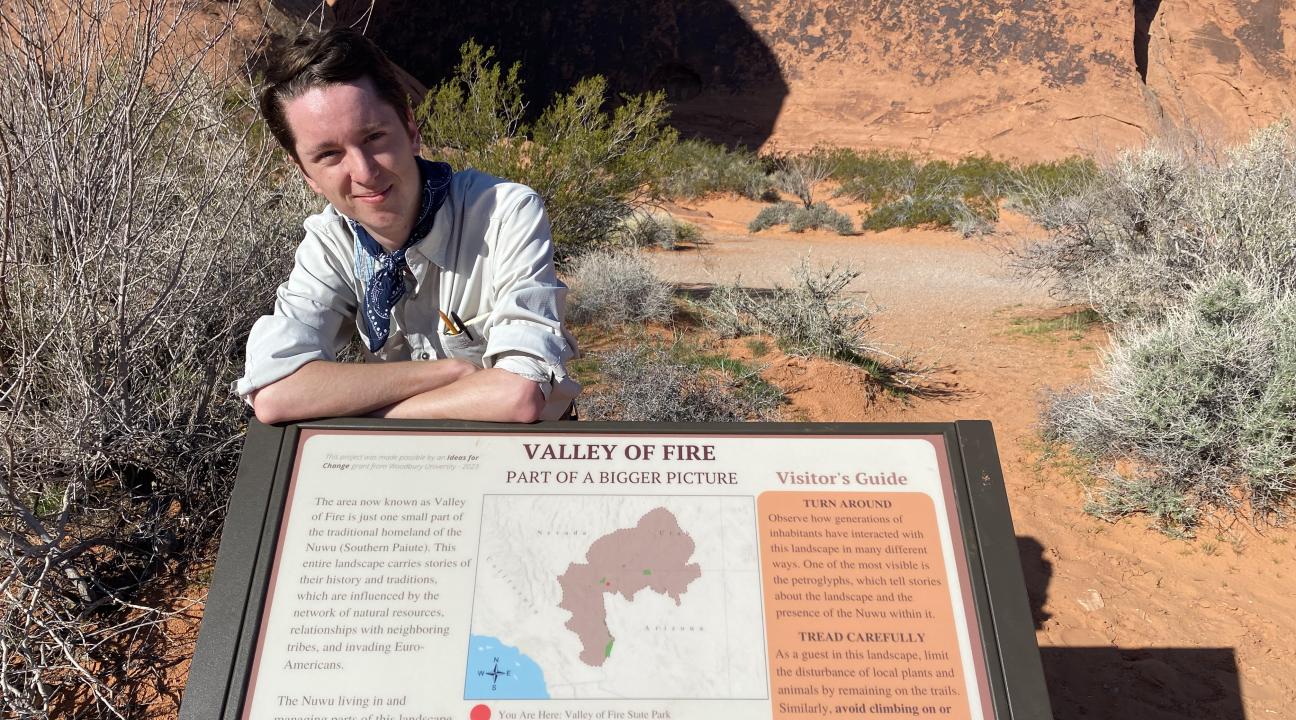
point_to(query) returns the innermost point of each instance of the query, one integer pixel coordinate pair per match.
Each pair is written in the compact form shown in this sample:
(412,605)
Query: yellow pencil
(450,326)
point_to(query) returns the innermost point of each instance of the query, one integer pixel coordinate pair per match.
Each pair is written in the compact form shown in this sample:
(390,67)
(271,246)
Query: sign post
(379,570)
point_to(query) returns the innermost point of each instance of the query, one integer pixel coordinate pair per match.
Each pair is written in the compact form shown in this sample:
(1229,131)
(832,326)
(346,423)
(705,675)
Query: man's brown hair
(315,59)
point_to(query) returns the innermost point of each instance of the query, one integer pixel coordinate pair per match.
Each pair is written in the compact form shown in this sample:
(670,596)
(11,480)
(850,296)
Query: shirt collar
(435,246)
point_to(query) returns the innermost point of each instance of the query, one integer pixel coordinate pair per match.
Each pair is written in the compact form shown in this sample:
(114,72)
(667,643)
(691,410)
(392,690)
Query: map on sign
(577,595)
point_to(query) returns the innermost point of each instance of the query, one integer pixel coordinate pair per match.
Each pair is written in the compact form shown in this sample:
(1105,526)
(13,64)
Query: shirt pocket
(463,347)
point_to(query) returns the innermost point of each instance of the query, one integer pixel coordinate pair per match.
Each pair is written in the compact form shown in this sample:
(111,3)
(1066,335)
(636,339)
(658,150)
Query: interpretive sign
(581,571)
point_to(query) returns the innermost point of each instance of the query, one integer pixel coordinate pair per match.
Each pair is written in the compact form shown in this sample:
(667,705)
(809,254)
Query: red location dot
(480,712)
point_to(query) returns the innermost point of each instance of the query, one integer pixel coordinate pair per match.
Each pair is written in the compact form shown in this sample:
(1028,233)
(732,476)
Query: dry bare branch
(145,224)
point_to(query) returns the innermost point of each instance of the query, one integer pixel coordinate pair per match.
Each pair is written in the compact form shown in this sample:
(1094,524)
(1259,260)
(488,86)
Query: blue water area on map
(499,672)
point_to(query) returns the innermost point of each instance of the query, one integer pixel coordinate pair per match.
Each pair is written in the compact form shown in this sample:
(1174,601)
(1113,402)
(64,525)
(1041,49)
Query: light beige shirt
(488,258)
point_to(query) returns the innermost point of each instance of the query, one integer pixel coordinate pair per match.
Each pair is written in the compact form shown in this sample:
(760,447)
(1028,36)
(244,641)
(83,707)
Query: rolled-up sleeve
(310,320)
(527,336)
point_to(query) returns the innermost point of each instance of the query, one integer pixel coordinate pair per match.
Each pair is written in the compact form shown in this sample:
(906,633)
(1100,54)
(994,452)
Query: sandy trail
(1131,624)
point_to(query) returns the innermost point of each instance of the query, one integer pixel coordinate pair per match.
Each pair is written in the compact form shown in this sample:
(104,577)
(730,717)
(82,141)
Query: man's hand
(331,389)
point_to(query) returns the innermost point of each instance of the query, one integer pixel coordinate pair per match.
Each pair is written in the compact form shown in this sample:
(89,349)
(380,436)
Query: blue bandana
(386,287)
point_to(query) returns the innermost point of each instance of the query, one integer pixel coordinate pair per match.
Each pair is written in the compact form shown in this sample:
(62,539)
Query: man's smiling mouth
(373,198)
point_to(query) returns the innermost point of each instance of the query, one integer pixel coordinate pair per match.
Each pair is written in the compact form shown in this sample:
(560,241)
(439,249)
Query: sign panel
(584,573)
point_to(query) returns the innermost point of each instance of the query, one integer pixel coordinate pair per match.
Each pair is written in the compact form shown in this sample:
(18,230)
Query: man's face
(358,152)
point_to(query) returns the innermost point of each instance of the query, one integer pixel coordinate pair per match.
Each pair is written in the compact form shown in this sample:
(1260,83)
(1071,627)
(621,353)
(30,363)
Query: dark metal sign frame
(221,666)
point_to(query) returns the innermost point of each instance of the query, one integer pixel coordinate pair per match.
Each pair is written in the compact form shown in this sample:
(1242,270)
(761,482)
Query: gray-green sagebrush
(616,287)
(677,384)
(1190,252)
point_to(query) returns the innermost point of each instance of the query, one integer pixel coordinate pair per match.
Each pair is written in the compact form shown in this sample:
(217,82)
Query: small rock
(1091,600)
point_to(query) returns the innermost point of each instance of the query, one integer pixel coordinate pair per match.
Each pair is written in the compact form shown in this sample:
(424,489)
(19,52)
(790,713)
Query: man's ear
(310,182)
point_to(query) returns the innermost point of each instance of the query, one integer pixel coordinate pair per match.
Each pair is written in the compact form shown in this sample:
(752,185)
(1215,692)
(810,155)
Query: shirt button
(423,356)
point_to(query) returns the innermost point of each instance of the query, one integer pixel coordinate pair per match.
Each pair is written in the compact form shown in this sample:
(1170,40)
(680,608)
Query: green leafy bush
(873,176)
(901,190)
(591,168)
(936,209)
(696,168)
(613,288)
(936,193)
(676,384)
(1037,183)
(904,192)
(799,218)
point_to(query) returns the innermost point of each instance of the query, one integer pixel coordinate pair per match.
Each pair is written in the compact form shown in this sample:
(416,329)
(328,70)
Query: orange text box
(858,608)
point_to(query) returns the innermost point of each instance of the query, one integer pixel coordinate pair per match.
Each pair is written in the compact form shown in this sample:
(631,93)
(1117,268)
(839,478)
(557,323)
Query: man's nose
(364,169)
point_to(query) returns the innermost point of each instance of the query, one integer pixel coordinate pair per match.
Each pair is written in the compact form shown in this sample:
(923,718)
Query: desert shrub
(971,225)
(1197,404)
(676,384)
(904,192)
(1042,182)
(937,193)
(819,216)
(613,288)
(799,175)
(813,317)
(1191,254)
(1133,241)
(655,228)
(1267,455)
(873,176)
(1122,495)
(145,227)
(777,214)
(730,311)
(936,208)
(696,168)
(799,218)
(591,168)
(686,232)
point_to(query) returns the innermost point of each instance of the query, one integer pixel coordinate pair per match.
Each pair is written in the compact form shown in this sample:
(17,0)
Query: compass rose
(495,674)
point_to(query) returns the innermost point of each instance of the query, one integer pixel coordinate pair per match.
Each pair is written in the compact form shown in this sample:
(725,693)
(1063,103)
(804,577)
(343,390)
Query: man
(448,277)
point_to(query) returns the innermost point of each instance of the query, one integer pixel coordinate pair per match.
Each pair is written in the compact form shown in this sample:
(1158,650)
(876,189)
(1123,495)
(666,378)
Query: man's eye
(326,155)
(374,136)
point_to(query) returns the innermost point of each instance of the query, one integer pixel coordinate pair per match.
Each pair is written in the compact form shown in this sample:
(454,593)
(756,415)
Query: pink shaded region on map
(653,554)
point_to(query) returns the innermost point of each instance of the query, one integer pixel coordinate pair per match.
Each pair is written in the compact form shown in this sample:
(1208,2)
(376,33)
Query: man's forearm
(332,389)
(495,395)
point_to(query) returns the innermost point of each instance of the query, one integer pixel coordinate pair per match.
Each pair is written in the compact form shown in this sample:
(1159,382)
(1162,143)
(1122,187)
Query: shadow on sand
(1134,683)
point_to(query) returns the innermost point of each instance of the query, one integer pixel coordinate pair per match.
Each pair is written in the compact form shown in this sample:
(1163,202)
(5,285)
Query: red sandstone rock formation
(1014,78)
(1027,79)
